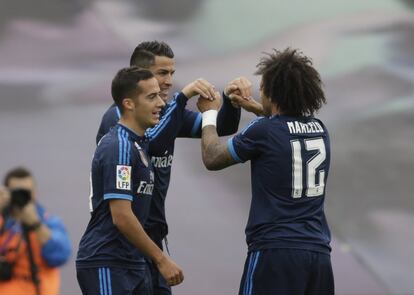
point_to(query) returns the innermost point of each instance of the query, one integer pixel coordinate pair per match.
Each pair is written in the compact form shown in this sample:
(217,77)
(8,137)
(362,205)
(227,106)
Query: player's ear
(128,103)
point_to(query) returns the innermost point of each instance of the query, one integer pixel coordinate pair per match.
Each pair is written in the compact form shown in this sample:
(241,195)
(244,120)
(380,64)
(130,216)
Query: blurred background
(58,57)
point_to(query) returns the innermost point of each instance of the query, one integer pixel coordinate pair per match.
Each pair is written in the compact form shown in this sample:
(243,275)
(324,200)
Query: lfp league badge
(142,155)
(123,177)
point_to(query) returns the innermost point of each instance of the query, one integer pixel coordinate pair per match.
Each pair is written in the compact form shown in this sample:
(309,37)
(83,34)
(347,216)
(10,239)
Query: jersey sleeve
(249,143)
(228,119)
(117,169)
(109,119)
(172,113)
(191,124)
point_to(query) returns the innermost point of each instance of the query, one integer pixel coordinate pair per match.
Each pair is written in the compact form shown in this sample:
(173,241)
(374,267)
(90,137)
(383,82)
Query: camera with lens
(18,199)
(6,270)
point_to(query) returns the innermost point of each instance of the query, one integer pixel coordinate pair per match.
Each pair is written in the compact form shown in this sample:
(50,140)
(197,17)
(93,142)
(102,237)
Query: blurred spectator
(33,244)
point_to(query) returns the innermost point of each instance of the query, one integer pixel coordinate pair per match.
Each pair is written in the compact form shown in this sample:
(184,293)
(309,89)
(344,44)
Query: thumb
(217,95)
(230,88)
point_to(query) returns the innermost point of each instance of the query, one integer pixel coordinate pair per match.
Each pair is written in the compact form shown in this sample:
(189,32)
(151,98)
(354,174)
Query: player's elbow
(210,164)
(226,132)
(120,220)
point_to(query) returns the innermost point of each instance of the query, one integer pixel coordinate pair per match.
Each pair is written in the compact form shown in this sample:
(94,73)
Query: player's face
(148,104)
(163,70)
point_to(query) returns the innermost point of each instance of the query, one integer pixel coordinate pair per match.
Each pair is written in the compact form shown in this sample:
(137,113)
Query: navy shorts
(287,272)
(114,281)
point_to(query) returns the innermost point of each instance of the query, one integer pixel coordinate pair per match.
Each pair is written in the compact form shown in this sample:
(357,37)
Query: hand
(249,105)
(28,214)
(4,198)
(201,87)
(241,86)
(171,272)
(236,99)
(205,105)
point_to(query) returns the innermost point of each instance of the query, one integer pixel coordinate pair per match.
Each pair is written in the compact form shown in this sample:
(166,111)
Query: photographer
(32,243)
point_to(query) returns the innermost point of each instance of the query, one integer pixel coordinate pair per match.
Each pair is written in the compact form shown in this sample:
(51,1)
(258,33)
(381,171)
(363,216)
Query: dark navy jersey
(175,121)
(121,169)
(290,160)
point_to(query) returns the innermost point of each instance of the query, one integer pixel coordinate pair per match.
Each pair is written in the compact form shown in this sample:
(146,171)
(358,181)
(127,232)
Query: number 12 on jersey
(310,168)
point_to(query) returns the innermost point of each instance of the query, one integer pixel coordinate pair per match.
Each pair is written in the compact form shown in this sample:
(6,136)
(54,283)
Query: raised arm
(215,154)
(228,117)
(246,145)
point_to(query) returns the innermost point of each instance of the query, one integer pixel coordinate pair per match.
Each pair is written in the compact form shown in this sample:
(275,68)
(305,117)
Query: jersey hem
(140,265)
(289,245)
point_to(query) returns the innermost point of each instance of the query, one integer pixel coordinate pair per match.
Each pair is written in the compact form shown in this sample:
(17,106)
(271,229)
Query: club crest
(142,155)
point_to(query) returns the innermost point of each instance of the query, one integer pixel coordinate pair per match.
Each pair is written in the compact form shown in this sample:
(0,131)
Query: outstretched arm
(228,118)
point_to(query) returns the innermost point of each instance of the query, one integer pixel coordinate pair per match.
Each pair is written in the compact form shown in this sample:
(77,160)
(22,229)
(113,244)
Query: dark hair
(290,81)
(125,84)
(158,48)
(18,172)
(142,58)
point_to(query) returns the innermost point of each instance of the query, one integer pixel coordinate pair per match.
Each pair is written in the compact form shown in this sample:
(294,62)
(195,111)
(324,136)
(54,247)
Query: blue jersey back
(290,160)
(121,169)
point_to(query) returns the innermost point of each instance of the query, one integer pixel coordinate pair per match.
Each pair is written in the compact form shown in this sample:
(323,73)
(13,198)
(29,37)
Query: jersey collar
(132,134)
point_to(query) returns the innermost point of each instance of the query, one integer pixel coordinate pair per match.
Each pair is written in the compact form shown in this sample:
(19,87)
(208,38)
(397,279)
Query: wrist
(257,108)
(159,258)
(185,94)
(209,118)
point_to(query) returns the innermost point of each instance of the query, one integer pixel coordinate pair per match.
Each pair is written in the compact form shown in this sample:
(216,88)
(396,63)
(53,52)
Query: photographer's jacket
(13,251)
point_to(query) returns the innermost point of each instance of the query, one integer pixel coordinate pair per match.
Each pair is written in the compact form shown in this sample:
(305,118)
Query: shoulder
(110,117)
(258,125)
(109,139)
(322,124)
(111,143)
(112,111)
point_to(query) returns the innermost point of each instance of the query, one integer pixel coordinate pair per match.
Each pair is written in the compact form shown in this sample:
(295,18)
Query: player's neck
(133,125)
(275,110)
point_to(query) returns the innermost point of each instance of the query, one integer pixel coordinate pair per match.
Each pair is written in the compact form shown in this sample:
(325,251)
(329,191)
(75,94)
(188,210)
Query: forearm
(214,153)
(256,108)
(228,118)
(132,229)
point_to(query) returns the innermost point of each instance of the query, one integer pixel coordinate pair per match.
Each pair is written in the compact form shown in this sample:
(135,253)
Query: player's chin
(155,120)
